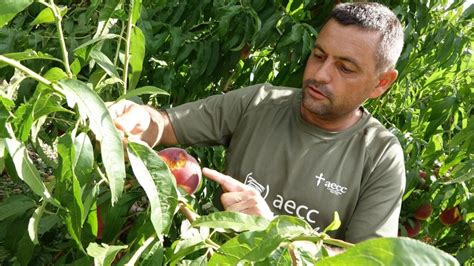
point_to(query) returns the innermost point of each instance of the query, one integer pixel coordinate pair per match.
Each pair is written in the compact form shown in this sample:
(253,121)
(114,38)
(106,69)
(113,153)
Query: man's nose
(323,72)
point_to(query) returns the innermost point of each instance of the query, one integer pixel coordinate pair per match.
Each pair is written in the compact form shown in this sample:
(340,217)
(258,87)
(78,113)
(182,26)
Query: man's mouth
(315,92)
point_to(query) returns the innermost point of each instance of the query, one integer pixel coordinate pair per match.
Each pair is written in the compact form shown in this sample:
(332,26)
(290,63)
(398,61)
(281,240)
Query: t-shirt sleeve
(211,121)
(378,209)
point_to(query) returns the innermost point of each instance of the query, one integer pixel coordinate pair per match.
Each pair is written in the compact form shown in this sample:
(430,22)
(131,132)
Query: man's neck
(331,123)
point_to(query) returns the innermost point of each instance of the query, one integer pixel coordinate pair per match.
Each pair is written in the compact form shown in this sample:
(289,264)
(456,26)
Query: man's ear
(386,79)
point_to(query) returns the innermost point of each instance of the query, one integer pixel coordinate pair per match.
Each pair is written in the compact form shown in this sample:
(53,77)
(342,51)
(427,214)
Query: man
(307,152)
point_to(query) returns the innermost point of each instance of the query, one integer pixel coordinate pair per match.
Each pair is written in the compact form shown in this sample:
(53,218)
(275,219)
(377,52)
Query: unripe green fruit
(184,167)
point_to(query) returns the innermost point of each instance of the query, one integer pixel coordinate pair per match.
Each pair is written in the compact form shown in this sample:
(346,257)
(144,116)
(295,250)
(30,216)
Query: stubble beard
(317,107)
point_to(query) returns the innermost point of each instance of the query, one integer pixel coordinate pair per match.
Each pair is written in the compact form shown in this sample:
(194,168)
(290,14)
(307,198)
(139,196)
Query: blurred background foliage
(197,48)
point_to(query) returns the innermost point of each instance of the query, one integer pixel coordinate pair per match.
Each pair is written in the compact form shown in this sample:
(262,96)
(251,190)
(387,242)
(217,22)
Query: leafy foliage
(85,202)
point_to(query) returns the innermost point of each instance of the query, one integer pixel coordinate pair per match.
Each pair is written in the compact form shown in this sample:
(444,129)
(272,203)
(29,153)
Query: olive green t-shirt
(299,168)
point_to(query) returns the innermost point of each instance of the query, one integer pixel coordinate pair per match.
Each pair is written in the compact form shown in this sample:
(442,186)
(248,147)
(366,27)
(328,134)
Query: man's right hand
(137,122)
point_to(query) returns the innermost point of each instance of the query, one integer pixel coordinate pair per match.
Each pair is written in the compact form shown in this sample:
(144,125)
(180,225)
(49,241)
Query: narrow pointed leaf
(335,224)
(96,40)
(232,220)
(137,53)
(33,224)
(143,90)
(25,169)
(100,122)
(68,189)
(28,55)
(105,63)
(83,158)
(158,183)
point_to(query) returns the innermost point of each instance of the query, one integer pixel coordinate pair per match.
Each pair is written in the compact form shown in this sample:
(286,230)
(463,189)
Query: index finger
(227,182)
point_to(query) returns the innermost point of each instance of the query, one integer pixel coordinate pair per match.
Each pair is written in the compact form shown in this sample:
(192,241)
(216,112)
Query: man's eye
(345,69)
(318,56)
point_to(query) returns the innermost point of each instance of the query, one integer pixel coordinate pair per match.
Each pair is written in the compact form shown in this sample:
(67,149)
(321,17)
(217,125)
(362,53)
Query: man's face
(340,73)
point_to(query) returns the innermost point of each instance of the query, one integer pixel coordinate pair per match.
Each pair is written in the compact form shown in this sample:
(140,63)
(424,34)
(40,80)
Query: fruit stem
(187,212)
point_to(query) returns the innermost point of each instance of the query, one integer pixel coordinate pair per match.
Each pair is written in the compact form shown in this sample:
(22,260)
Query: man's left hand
(238,196)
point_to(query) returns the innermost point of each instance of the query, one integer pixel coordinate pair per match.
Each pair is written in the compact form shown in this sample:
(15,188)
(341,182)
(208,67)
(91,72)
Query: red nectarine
(412,230)
(184,167)
(424,211)
(450,216)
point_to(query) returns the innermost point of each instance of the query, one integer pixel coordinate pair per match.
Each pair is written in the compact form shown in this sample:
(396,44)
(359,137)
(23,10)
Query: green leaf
(100,122)
(95,40)
(158,183)
(232,220)
(103,254)
(143,90)
(391,251)
(10,8)
(104,62)
(5,108)
(250,245)
(84,158)
(289,226)
(68,189)
(46,16)
(137,54)
(154,255)
(25,169)
(33,224)
(41,104)
(28,55)
(334,225)
(15,205)
(136,9)
(186,250)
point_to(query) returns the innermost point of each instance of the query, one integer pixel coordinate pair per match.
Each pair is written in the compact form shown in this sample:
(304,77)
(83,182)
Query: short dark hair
(374,17)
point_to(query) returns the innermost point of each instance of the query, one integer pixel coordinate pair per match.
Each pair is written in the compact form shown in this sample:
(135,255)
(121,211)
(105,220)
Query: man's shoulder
(380,139)
(268,94)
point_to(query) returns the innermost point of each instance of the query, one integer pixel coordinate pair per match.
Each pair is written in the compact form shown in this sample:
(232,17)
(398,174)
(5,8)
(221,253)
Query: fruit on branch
(450,216)
(184,167)
(424,211)
(422,175)
(412,229)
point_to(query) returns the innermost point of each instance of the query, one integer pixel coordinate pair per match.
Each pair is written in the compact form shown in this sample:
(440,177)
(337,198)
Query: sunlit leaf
(104,254)
(334,225)
(25,168)
(391,251)
(33,224)
(93,108)
(46,15)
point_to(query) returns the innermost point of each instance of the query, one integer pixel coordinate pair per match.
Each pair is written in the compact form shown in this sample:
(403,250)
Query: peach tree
(73,194)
